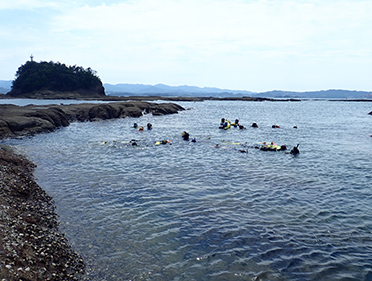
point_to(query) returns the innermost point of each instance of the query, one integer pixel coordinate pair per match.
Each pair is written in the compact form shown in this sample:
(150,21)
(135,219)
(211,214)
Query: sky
(253,45)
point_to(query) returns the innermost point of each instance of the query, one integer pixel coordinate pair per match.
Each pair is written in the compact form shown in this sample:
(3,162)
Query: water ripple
(194,211)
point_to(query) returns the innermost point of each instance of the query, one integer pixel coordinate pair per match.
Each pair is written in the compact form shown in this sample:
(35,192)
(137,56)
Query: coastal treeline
(53,76)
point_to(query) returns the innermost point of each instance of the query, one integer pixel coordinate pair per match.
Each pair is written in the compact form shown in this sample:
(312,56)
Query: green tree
(35,76)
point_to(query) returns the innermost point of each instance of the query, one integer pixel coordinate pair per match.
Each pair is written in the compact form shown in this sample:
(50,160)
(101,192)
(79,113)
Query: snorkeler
(185,135)
(236,123)
(295,150)
(133,142)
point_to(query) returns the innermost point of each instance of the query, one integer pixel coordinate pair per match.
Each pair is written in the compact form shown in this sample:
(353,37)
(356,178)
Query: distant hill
(165,90)
(334,94)
(193,91)
(5,86)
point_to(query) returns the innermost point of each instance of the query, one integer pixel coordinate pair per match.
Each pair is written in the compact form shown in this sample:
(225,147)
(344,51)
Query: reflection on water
(194,211)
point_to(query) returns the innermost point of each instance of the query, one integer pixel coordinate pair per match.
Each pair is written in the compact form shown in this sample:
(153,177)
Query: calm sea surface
(194,211)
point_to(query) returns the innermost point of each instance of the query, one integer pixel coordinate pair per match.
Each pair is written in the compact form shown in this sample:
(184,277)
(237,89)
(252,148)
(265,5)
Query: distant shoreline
(193,99)
(165,98)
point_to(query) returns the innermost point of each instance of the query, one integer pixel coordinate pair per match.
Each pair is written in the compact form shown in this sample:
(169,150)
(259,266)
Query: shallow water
(191,211)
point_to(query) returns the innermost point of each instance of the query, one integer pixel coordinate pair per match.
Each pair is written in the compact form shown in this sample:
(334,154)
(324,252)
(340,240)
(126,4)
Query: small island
(50,80)
(33,248)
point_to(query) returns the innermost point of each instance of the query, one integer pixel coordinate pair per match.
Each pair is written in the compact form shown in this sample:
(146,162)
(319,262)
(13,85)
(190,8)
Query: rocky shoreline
(18,121)
(31,246)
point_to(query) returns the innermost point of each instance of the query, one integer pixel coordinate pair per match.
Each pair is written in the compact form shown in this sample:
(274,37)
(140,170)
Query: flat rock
(32,119)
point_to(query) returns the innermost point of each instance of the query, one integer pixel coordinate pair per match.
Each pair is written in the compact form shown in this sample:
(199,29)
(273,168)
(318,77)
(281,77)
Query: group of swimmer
(274,147)
(225,124)
(149,126)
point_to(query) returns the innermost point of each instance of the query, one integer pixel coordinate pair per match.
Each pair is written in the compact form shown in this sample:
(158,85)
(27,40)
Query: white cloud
(28,4)
(221,26)
(210,42)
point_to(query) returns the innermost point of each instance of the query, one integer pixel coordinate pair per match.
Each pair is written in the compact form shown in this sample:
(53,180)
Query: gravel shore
(31,246)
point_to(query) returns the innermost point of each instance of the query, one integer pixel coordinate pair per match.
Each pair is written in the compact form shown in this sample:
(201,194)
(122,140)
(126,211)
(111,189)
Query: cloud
(217,27)
(209,42)
(28,4)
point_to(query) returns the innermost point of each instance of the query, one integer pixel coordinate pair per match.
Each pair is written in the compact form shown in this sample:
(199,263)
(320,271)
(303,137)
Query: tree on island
(48,80)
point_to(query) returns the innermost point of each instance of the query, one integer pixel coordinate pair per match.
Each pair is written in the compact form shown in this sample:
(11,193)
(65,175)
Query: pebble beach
(32,247)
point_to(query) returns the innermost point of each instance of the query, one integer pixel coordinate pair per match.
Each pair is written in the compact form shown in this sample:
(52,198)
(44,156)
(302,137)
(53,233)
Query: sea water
(206,211)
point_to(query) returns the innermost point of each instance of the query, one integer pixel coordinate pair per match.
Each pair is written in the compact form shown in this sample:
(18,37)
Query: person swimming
(185,135)
(222,124)
(295,150)
(133,142)
(225,124)
(236,123)
(149,126)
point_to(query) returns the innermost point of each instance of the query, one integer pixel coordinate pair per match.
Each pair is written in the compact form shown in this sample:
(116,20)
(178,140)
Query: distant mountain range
(330,94)
(5,86)
(165,90)
(161,89)
(193,91)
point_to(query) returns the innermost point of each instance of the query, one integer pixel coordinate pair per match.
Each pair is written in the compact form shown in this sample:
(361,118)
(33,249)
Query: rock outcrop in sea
(32,119)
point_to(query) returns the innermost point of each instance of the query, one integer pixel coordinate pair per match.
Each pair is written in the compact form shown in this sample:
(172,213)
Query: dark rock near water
(31,248)
(28,120)
(97,92)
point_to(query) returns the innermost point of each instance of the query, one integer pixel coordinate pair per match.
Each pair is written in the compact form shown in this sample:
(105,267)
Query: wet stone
(32,247)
